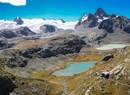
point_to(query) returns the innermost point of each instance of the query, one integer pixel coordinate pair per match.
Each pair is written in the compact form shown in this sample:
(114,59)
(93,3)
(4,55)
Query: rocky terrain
(31,50)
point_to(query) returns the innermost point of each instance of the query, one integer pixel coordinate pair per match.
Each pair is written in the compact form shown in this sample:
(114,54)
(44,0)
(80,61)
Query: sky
(69,10)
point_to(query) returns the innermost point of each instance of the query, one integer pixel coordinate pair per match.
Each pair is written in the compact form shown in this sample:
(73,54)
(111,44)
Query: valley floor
(37,78)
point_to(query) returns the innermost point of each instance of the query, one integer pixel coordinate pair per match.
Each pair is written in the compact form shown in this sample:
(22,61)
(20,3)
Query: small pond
(74,68)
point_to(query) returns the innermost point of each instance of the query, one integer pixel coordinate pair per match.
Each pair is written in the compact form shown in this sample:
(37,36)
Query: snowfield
(35,24)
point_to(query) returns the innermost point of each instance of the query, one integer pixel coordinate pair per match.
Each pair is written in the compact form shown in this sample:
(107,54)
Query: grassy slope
(79,84)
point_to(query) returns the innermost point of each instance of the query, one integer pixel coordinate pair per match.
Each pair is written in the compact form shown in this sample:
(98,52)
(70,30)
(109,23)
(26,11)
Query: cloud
(15,2)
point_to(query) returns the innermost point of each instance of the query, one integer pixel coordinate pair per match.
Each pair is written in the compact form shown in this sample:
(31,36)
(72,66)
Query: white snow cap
(15,2)
(85,17)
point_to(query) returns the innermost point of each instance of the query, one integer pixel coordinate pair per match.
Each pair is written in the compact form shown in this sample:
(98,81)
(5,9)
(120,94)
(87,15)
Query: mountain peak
(18,20)
(100,13)
(84,17)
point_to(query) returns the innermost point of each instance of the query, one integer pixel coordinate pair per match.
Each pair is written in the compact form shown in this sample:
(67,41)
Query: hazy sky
(61,9)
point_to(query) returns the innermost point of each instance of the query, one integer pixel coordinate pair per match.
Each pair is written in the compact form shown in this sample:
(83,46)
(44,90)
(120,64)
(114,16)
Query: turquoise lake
(74,68)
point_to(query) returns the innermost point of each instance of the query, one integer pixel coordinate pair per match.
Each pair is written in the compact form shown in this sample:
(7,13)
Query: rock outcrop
(4,44)
(6,86)
(48,28)
(89,22)
(108,57)
(59,45)
(105,75)
(115,22)
(15,62)
(19,32)
(107,25)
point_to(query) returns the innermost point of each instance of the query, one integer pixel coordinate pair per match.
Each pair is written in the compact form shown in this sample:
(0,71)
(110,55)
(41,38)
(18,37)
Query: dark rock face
(114,22)
(100,13)
(4,44)
(29,52)
(48,28)
(18,20)
(6,86)
(13,58)
(24,31)
(127,29)
(16,62)
(5,33)
(108,57)
(107,25)
(11,33)
(60,45)
(112,16)
(90,22)
(121,22)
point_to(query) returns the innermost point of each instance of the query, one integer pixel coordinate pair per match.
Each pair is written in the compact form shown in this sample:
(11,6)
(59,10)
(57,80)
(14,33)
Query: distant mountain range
(111,24)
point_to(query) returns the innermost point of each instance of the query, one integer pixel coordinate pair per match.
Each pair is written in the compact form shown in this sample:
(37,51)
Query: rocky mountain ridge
(104,21)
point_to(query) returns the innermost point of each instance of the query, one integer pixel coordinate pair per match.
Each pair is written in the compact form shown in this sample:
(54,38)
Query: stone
(104,75)
(107,57)
(87,92)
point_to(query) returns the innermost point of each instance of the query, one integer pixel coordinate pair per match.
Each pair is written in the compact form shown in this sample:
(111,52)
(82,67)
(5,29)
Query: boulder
(105,75)
(108,57)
